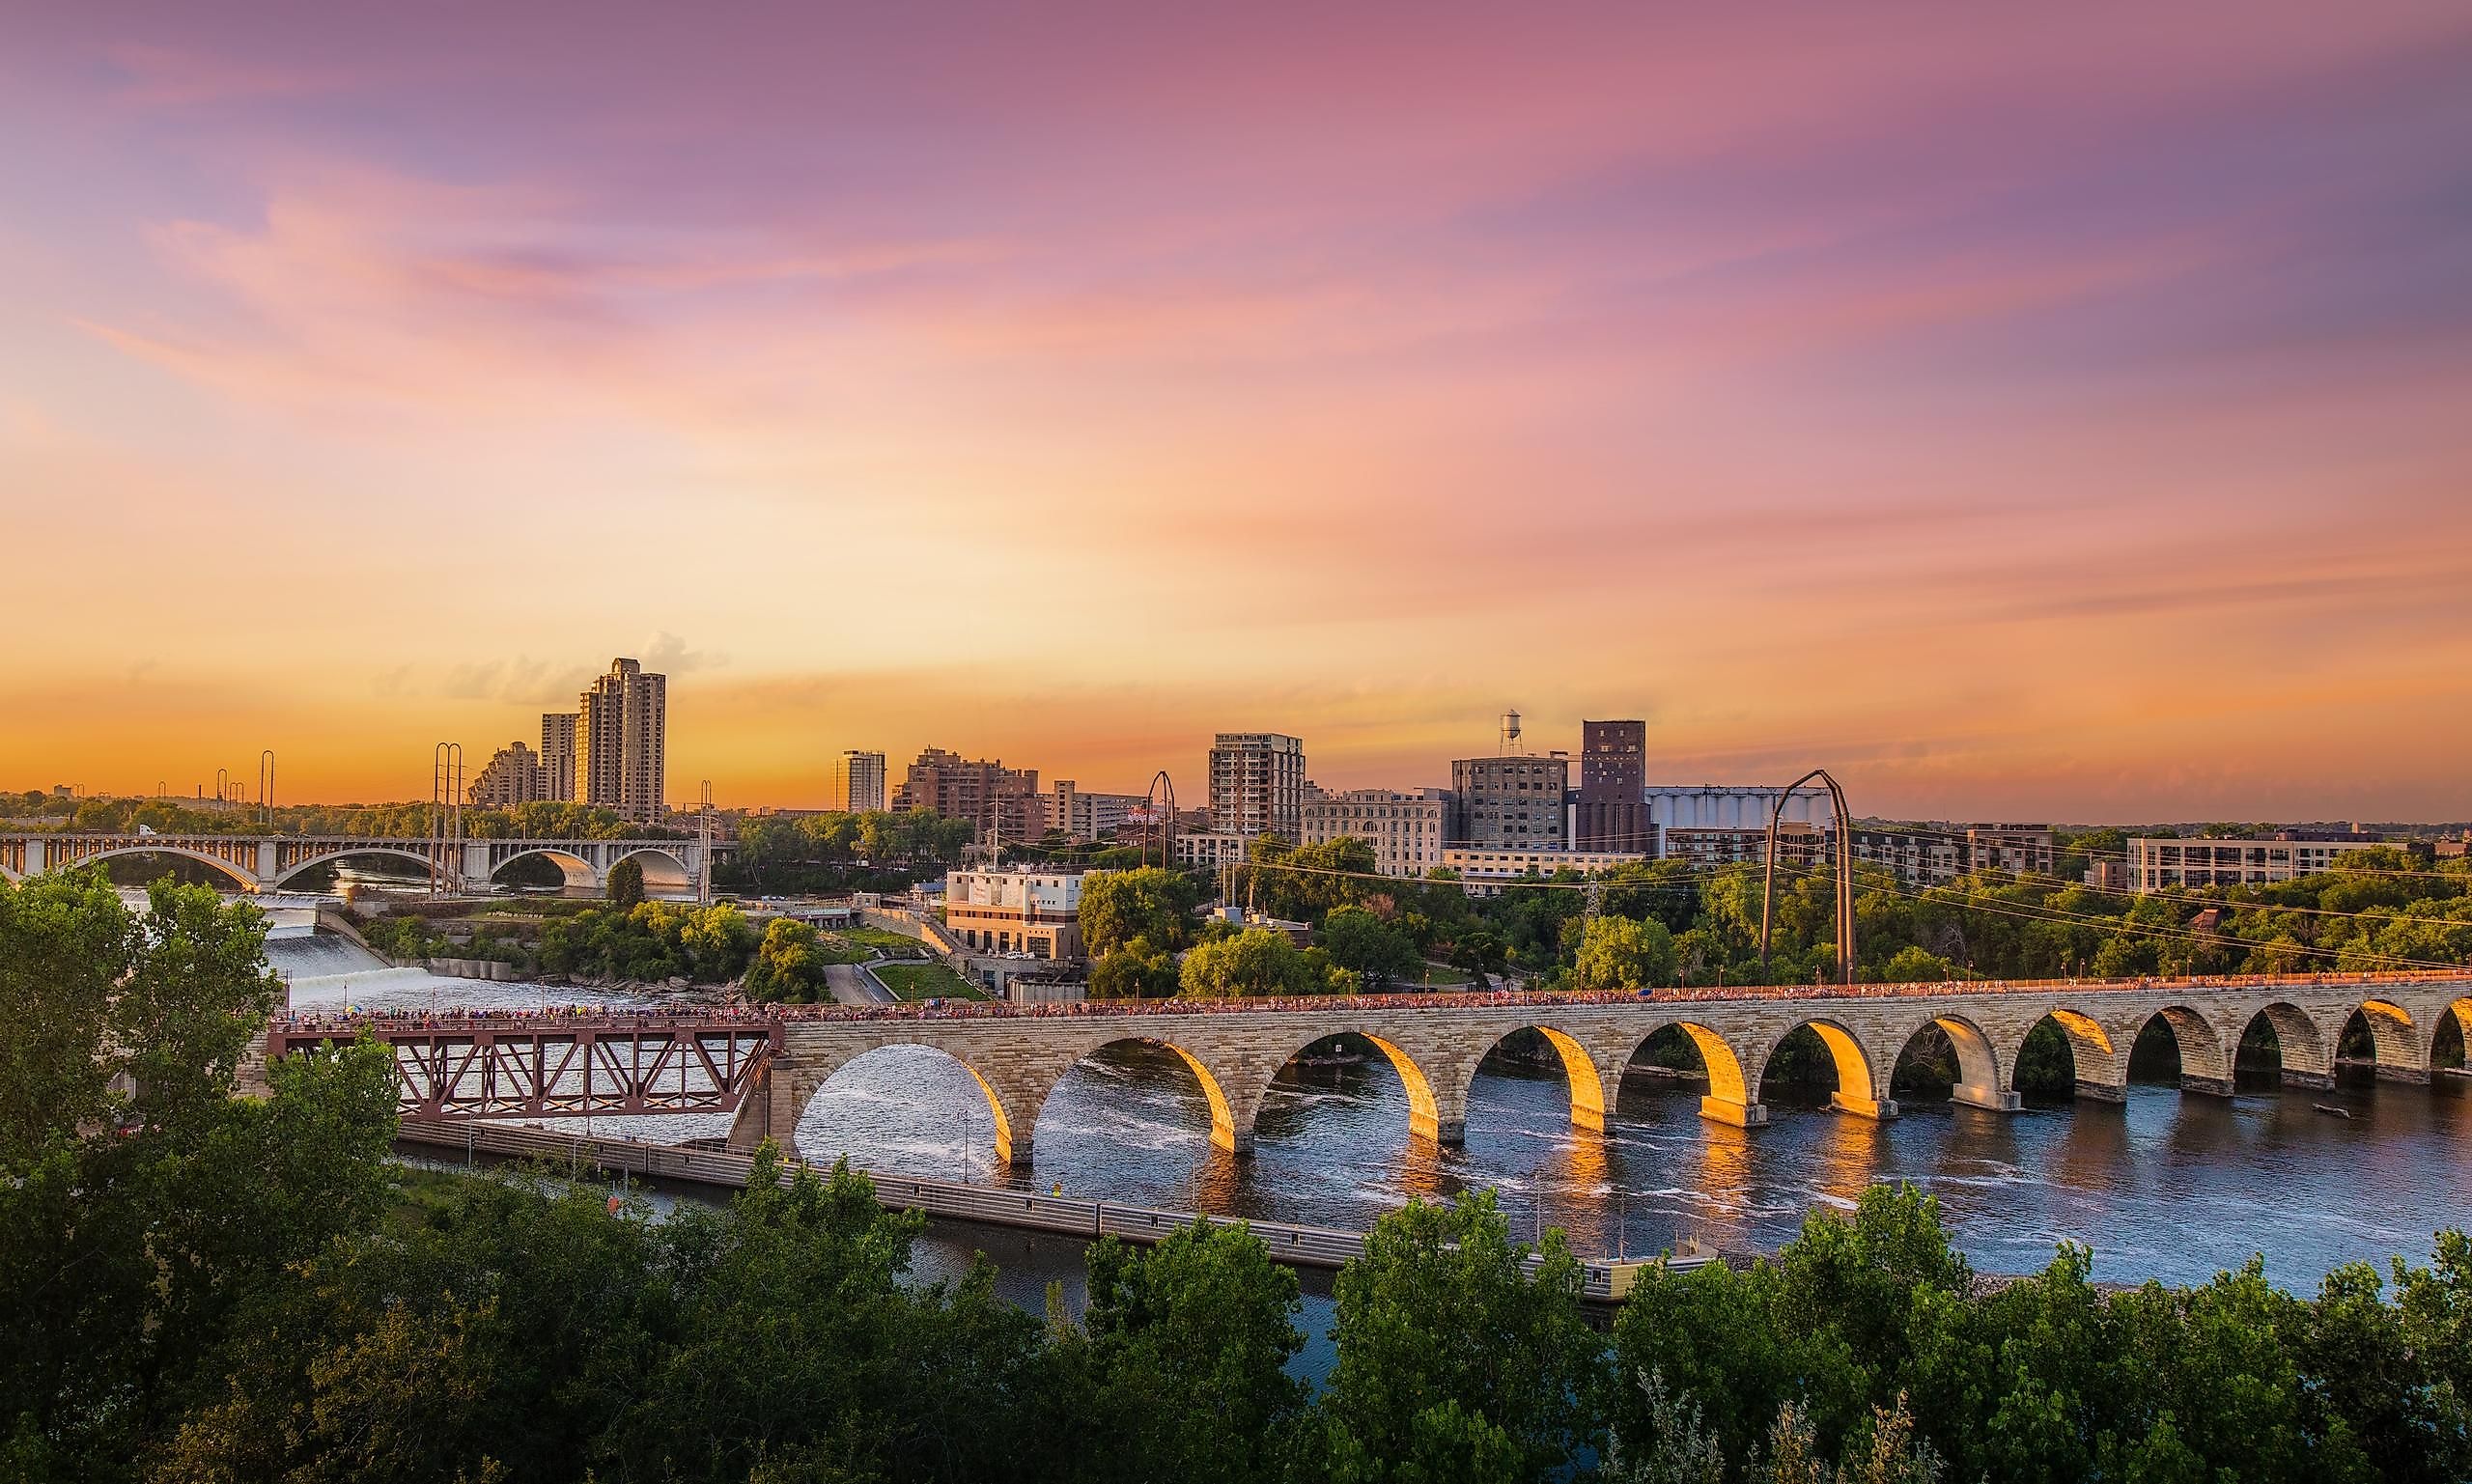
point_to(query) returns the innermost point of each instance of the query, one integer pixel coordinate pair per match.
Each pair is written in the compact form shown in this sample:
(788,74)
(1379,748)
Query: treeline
(648,942)
(198,1288)
(1665,923)
(874,851)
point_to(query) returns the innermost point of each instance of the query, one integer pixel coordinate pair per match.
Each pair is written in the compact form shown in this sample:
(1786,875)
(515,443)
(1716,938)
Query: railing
(1289,1243)
(1103,1009)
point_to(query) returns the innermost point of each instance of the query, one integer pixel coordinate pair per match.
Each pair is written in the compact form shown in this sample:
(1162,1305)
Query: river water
(2167,1186)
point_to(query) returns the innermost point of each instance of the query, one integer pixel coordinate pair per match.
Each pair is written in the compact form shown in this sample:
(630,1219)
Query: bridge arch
(1586,1080)
(1729,1099)
(2205,1062)
(1856,1091)
(285,877)
(660,865)
(2394,1041)
(2097,1061)
(2303,1058)
(1428,1118)
(1225,1132)
(1009,1123)
(578,871)
(1982,1075)
(2457,1017)
(240,876)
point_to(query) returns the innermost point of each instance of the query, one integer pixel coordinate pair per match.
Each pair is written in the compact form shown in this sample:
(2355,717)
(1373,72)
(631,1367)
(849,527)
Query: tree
(1300,882)
(1439,1310)
(1135,971)
(795,1351)
(1181,1362)
(1620,953)
(1916,965)
(1362,943)
(789,964)
(1255,962)
(626,885)
(1150,904)
(135,1223)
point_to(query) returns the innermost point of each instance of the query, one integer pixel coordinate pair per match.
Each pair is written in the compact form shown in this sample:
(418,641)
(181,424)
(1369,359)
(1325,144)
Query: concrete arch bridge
(271,862)
(1436,1043)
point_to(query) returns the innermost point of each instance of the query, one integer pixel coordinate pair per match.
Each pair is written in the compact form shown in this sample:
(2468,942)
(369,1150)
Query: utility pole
(704,832)
(446,817)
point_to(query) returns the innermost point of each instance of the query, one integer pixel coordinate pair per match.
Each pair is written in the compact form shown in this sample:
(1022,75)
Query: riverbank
(1054,1213)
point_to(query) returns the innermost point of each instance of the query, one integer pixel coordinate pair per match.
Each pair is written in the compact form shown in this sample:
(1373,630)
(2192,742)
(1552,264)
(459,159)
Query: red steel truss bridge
(560,1066)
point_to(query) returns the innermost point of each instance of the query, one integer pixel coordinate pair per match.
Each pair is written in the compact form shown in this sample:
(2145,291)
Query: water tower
(1510,734)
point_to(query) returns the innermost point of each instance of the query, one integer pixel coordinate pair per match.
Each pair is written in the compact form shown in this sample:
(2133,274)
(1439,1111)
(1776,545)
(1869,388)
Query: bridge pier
(2210,1087)
(1990,1100)
(2102,1092)
(1881,1109)
(1740,1115)
(2297,1077)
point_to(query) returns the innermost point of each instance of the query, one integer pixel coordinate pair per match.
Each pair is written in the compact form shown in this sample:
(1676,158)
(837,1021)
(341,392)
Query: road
(850,986)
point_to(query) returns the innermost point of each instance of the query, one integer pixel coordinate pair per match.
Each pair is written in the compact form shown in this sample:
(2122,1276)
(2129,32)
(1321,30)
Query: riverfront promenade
(762,1064)
(1295,1245)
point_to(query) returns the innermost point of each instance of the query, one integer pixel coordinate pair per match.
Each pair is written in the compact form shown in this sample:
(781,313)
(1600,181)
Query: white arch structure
(269,862)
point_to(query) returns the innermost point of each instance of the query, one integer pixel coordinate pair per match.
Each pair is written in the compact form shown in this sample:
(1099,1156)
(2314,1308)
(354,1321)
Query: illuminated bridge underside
(568,1071)
(271,862)
(1235,1052)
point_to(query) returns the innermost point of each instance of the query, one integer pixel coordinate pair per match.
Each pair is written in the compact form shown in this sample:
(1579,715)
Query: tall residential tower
(622,727)
(862,781)
(1257,784)
(558,756)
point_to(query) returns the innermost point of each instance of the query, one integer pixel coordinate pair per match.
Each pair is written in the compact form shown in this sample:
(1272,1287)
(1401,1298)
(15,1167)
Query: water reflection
(2169,1185)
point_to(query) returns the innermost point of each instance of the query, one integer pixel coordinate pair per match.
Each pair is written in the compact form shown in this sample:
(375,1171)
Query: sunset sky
(2023,411)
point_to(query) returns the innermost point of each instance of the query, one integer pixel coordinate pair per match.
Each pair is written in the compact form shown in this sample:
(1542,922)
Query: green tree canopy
(1363,944)
(1149,902)
(1444,1339)
(1623,953)
(1255,962)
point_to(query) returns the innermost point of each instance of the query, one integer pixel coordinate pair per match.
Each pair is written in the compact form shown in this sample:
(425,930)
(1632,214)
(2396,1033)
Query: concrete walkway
(851,986)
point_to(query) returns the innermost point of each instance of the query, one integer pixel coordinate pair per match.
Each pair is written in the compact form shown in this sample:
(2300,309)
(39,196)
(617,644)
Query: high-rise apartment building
(862,781)
(622,726)
(1087,816)
(558,756)
(996,798)
(1509,802)
(1612,812)
(1916,857)
(1404,828)
(1797,844)
(1257,784)
(512,777)
(2022,848)
(2160,864)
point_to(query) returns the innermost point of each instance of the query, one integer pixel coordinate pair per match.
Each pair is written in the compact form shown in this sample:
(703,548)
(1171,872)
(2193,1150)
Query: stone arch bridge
(1435,1042)
(270,862)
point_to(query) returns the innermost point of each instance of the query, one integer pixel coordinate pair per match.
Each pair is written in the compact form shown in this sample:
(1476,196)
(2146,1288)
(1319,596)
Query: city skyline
(2021,421)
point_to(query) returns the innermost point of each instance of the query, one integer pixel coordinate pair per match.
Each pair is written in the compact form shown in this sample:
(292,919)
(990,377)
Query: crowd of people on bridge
(736,1011)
